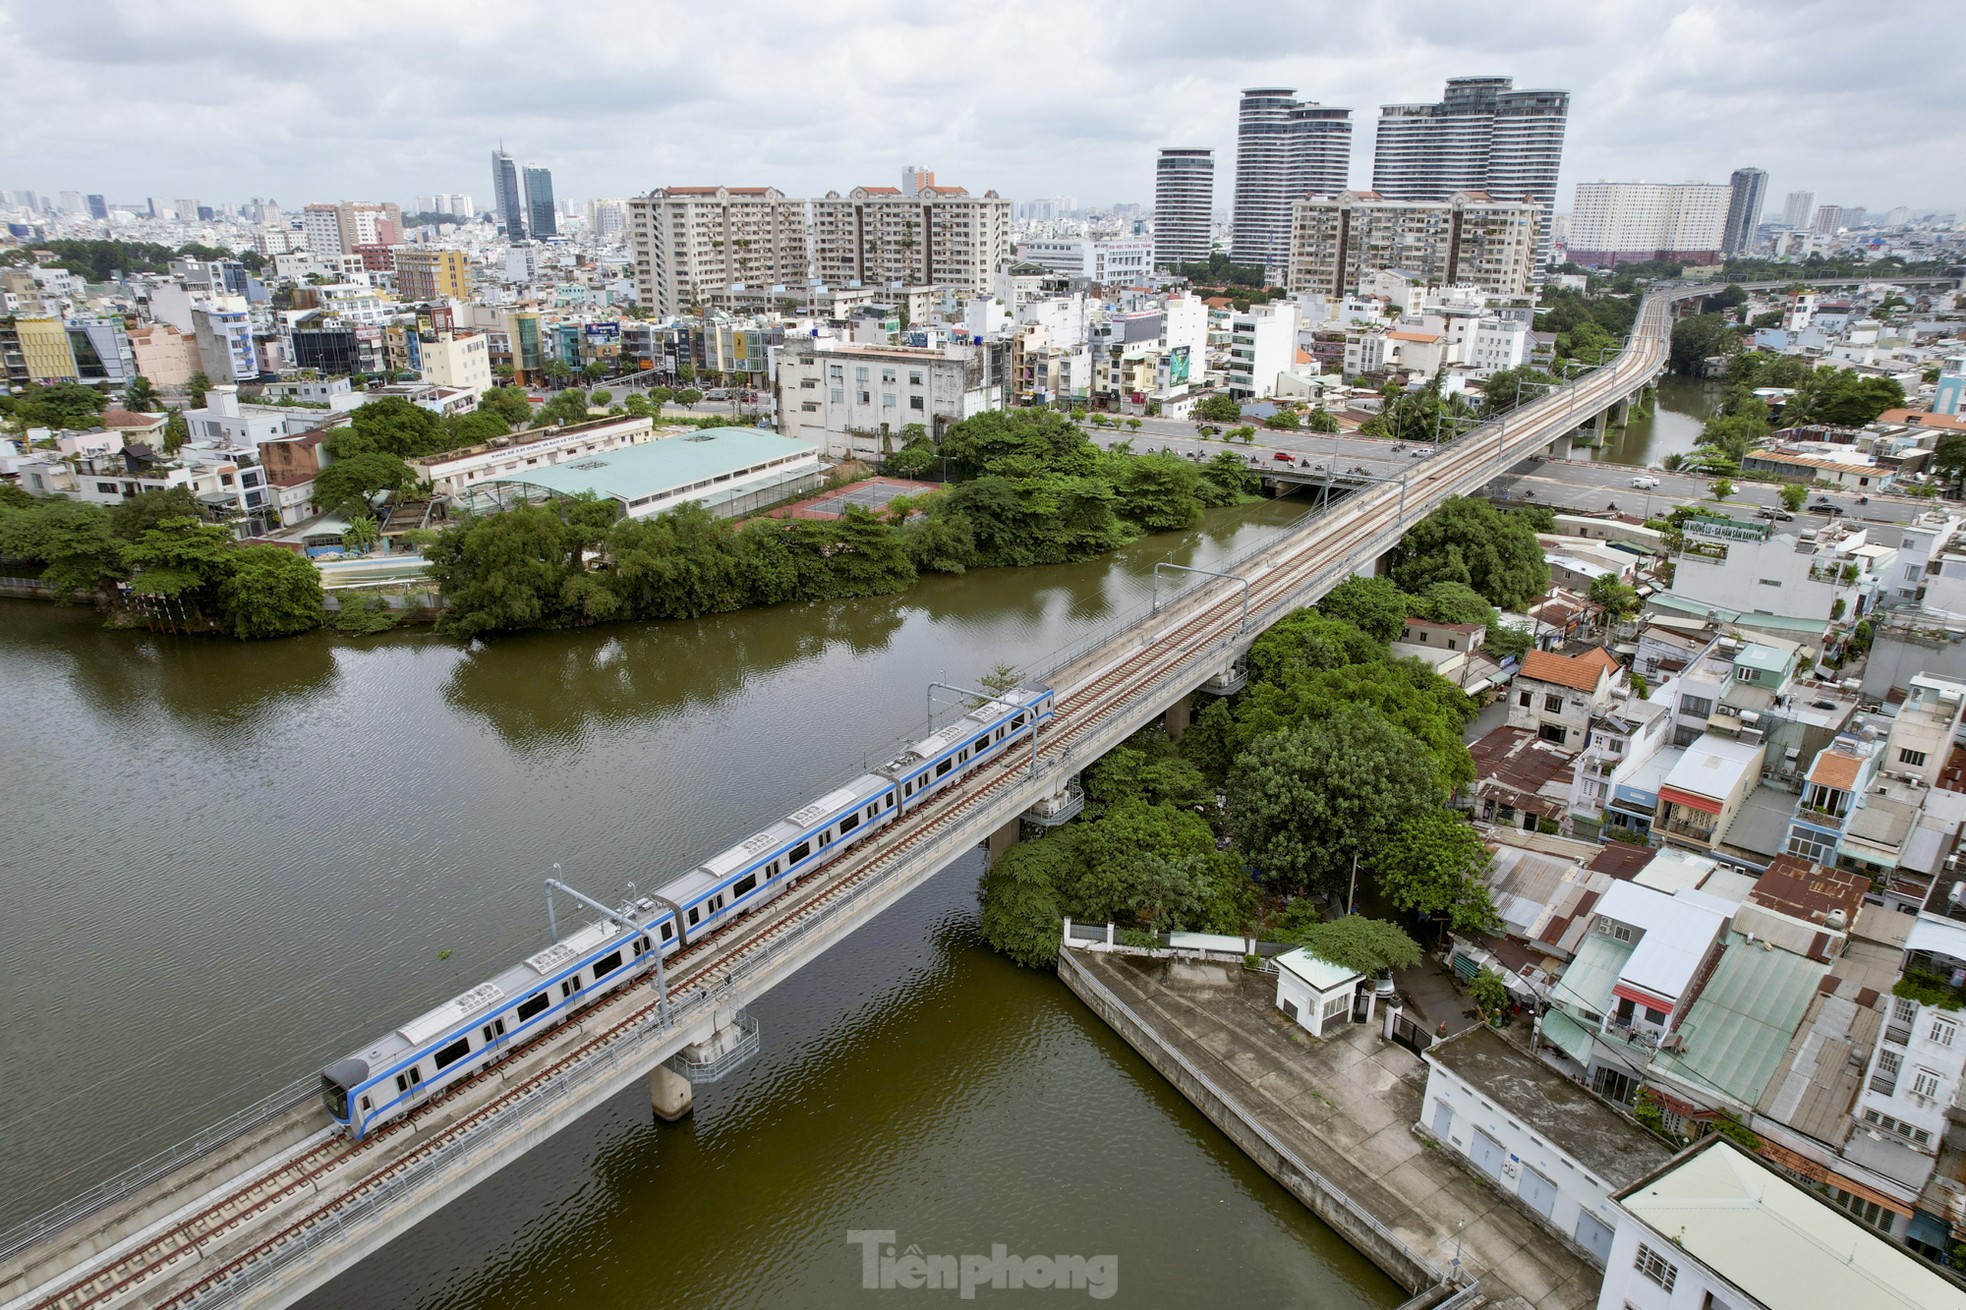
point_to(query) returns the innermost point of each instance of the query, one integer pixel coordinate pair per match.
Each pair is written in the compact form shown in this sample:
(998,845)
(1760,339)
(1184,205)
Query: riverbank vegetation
(1336,756)
(1833,397)
(1029,489)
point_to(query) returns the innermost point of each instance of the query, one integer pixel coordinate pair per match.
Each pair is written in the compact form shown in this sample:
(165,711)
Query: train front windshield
(335,1097)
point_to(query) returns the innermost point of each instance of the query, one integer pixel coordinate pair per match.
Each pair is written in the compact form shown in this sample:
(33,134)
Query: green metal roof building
(1739,1029)
(729,471)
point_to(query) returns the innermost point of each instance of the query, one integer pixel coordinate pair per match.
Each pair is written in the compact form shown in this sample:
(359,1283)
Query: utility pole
(1351,897)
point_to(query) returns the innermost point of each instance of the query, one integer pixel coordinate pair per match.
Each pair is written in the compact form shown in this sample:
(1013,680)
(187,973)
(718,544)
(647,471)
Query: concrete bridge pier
(1000,841)
(670,1093)
(1180,717)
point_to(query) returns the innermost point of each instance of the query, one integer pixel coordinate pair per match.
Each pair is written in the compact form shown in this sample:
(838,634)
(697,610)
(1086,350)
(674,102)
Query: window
(1914,758)
(860,375)
(451,1054)
(1552,704)
(532,1005)
(887,400)
(1655,1267)
(887,377)
(914,379)
(1863,1211)
(1925,1083)
(848,822)
(668,930)
(799,852)
(866,398)
(943,767)
(494,1030)
(745,886)
(914,402)
(572,985)
(1904,1009)
(409,1078)
(606,965)
(839,396)
(1525,700)
(1943,1031)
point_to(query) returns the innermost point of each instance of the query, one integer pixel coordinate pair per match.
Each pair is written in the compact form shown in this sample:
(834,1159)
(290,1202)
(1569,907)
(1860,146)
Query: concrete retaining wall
(1404,1265)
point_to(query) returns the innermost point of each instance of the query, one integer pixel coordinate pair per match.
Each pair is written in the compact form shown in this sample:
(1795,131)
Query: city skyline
(1661,96)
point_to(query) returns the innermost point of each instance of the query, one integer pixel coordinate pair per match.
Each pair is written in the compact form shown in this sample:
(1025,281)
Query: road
(1380,457)
(1577,484)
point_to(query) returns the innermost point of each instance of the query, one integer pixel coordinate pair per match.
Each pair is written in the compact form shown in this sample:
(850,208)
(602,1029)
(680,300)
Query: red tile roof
(130,418)
(1580,672)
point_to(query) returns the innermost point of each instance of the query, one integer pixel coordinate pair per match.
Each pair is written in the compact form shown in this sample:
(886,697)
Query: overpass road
(275,1204)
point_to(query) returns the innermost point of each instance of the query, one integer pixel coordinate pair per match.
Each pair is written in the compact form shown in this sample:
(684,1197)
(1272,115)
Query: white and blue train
(435,1050)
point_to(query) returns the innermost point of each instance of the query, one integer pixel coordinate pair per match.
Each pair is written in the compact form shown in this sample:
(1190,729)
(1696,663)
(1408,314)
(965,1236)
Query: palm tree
(1673,463)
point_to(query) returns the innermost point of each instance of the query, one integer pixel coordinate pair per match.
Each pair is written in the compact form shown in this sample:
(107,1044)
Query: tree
(1320,420)
(1283,420)
(1489,993)
(145,510)
(1469,541)
(1433,865)
(1615,598)
(63,405)
(269,592)
(1510,387)
(1225,479)
(509,403)
(1158,491)
(1453,602)
(1304,801)
(349,486)
(594,371)
(176,432)
(1795,493)
(71,539)
(601,396)
(1696,340)
(565,409)
(475,428)
(1133,424)
(1375,606)
(1721,489)
(1216,409)
(503,571)
(139,395)
(1022,916)
(196,387)
(1949,457)
(390,425)
(688,397)
(660,396)
(1369,946)
(361,535)
(183,559)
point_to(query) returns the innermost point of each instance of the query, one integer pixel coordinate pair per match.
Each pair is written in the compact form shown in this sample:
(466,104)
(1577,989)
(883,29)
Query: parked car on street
(1645,482)
(1773,513)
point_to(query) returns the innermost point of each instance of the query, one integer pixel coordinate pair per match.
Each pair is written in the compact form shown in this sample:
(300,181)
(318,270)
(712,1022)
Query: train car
(944,758)
(434,1050)
(758,868)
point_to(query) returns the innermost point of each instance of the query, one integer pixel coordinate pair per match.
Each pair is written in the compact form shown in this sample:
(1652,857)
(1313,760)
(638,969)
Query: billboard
(603,331)
(1177,366)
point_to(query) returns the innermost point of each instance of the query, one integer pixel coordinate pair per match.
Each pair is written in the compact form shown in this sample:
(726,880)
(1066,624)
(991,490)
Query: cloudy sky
(386,99)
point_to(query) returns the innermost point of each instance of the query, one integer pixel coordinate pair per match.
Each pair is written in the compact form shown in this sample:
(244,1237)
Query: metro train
(414,1062)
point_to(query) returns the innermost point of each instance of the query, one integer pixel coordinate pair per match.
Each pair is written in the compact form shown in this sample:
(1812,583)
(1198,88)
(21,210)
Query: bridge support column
(670,1093)
(1002,840)
(1180,717)
(1597,428)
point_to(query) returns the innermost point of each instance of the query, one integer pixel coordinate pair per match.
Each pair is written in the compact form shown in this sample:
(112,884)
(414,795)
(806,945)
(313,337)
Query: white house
(1315,993)
(1537,1135)
(1717,1228)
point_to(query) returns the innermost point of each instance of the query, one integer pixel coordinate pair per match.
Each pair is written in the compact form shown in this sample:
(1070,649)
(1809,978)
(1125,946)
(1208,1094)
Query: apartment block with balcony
(1834,572)
(942,236)
(1705,790)
(1469,239)
(855,400)
(1557,696)
(693,244)
(1262,344)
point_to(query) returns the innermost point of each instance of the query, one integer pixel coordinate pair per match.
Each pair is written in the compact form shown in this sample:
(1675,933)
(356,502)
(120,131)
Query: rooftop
(1712,767)
(1605,1142)
(653,467)
(1777,1242)
(1740,1027)
(1580,672)
(1319,972)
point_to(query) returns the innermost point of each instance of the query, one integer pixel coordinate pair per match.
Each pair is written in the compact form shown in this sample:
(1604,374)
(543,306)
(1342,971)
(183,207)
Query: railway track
(329,1164)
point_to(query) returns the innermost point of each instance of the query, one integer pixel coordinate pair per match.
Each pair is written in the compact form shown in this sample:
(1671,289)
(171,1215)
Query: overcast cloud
(387,99)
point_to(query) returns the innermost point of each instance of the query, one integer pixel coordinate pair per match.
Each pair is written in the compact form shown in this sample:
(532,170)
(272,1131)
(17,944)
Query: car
(1285,456)
(1823,507)
(1773,513)
(1645,482)
(716,393)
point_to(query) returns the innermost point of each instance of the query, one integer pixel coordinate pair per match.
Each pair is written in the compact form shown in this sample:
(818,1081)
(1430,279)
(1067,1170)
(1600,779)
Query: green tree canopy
(269,592)
(508,403)
(1369,946)
(1216,409)
(145,510)
(184,559)
(1697,339)
(1433,864)
(72,540)
(1374,605)
(390,425)
(349,485)
(1469,541)
(1304,801)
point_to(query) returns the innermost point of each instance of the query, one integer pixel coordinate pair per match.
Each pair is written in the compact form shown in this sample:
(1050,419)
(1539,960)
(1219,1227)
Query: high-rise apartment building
(916,178)
(693,243)
(542,220)
(339,229)
(507,196)
(1797,208)
(1748,192)
(1828,219)
(1286,148)
(1633,222)
(427,273)
(1184,205)
(98,208)
(943,237)
(1481,136)
(608,219)
(1469,239)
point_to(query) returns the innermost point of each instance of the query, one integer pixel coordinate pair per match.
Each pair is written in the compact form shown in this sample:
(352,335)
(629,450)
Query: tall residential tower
(1797,208)
(1286,149)
(1750,192)
(541,220)
(1184,203)
(1483,135)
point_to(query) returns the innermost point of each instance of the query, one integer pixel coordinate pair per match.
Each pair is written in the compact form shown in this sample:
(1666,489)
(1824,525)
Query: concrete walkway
(1347,1107)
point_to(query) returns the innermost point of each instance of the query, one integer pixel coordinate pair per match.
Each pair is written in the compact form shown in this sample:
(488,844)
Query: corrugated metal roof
(1739,1029)
(1587,983)
(656,467)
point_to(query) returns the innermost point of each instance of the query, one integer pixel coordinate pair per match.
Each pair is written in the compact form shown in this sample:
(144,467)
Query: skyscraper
(98,207)
(1744,210)
(1184,203)
(510,201)
(542,219)
(1828,219)
(1482,136)
(1286,148)
(914,177)
(1797,208)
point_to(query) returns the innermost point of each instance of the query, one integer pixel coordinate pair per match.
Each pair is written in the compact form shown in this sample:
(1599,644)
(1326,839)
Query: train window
(668,929)
(570,986)
(694,914)
(875,808)
(773,869)
(366,1105)
(943,767)
(848,822)
(1017,722)
(890,800)
(402,1083)
(532,1005)
(641,947)
(744,886)
(409,1079)
(451,1054)
(800,851)
(494,1030)
(606,965)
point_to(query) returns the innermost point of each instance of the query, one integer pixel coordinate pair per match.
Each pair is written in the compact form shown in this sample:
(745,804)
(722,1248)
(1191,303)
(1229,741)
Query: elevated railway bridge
(272,1204)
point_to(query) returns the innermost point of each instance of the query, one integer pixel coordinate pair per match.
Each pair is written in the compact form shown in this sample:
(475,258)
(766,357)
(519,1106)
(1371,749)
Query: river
(1673,427)
(227,864)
